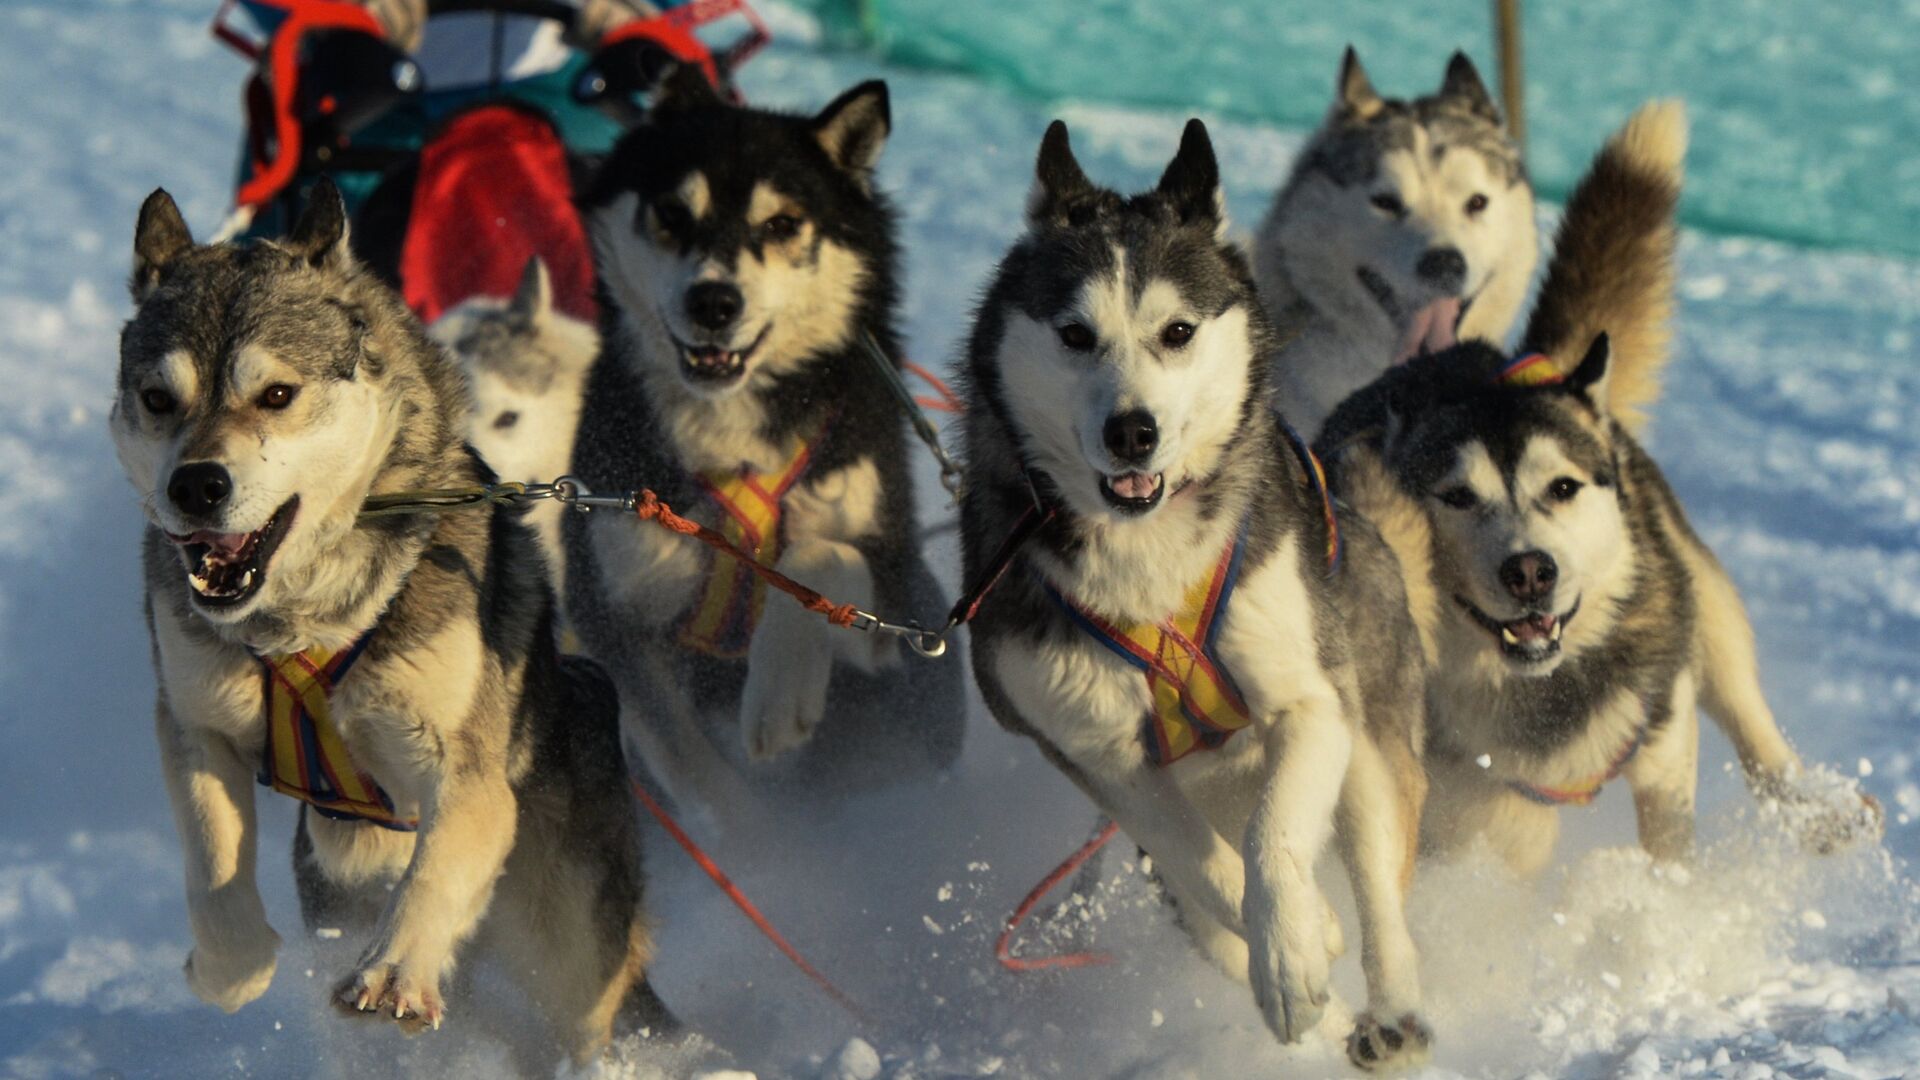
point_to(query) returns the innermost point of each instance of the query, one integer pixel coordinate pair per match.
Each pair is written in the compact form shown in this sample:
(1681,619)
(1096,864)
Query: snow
(1787,428)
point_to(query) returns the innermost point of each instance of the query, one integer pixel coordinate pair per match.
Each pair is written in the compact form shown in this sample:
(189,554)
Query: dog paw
(1828,813)
(389,991)
(1376,1044)
(1287,965)
(229,980)
(785,697)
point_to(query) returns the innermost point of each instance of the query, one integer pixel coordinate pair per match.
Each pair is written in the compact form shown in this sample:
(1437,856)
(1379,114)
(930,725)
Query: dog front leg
(1664,776)
(211,789)
(791,658)
(1197,862)
(1308,747)
(467,824)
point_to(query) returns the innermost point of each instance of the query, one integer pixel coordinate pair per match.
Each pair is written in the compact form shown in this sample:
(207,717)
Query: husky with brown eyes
(1573,619)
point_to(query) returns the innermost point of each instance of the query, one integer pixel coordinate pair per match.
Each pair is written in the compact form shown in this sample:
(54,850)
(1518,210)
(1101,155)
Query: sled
(453,188)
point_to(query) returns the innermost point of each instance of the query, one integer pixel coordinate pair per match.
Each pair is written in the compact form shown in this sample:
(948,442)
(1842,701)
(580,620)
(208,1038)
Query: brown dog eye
(1389,203)
(1563,489)
(1475,205)
(506,420)
(780,227)
(1460,498)
(1176,334)
(277,396)
(157,401)
(1076,336)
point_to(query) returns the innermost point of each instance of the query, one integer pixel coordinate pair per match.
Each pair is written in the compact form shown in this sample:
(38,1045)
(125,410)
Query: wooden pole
(1506,25)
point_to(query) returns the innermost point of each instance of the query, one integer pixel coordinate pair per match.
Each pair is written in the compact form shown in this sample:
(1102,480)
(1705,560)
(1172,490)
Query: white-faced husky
(527,364)
(1405,225)
(746,259)
(1571,616)
(397,673)
(1220,657)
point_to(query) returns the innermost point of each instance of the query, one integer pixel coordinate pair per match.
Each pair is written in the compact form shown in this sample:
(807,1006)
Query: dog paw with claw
(1828,813)
(389,991)
(788,666)
(1377,1044)
(231,979)
(1287,963)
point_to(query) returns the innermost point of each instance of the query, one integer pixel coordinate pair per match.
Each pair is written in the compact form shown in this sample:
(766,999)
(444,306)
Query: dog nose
(1443,267)
(199,488)
(1131,436)
(1529,576)
(713,305)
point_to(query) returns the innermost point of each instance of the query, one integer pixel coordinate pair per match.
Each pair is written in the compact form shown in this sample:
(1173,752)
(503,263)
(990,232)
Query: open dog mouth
(1530,638)
(1133,492)
(224,569)
(711,365)
(1432,328)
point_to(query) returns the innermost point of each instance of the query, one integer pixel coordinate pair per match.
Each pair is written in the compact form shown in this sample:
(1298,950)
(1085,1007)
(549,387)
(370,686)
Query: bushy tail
(1612,268)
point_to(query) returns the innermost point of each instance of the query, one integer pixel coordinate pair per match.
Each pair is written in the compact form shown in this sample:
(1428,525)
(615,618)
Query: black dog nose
(1443,267)
(199,488)
(1131,436)
(1529,576)
(713,305)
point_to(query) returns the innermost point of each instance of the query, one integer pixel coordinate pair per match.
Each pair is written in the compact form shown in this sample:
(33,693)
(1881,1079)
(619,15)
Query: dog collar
(1582,792)
(1533,369)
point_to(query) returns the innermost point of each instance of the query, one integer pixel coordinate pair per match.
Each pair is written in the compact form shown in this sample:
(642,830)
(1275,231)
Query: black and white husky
(745,258)
(1188,582)
(397,674)
(1572,618)
(1404,225)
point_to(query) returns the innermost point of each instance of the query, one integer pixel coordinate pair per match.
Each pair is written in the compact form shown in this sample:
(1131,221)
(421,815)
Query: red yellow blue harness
(1194,703)
(1533,369)
(722,621)
(305,755)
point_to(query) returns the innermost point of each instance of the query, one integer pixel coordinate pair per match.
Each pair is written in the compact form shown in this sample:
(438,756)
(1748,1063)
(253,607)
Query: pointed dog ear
(159,237)
(1354,96)
(533,301)
(1591,378)
(1192,181)
(320,236)
(1462,84)
(853,129)
(1058,184)
(684,86)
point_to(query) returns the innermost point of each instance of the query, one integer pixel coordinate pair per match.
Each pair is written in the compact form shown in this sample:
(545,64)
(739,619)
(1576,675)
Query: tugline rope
(1003,948)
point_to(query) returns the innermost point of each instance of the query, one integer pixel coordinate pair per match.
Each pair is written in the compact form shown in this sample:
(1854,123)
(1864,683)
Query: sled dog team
(1309,556)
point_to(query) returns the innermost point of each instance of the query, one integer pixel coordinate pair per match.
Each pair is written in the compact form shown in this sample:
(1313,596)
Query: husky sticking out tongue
(1430,330)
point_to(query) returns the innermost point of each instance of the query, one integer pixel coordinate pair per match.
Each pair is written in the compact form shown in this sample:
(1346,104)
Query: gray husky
(398,674)
(1188,580)
(747,258)
(1571,616)
(1405,225)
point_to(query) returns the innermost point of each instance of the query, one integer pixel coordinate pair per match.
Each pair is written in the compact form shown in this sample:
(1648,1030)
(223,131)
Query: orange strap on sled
(722,622)
(305,755)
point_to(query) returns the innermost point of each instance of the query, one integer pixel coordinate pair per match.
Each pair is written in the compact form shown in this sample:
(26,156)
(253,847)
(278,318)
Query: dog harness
(721,623)
(1584,791)
(1533,369)
(1195,705)
(305,756)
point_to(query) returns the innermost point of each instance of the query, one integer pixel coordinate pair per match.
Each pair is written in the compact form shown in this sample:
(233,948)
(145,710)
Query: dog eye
(1390,203)
(1176,334)
(1476,204)
(1564,489)
(157,401)
(1076,336)
(506,420)
(277,396)
(780,227)
(672,218)
(1460,498)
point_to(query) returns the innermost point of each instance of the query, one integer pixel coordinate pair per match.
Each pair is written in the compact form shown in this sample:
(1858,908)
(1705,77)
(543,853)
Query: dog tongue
(1431,329)
(1134,485)
(224,543)
(1533,628)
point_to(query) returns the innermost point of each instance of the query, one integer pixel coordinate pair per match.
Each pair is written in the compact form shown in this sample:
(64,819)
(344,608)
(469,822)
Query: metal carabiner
(570,491)
(931,644)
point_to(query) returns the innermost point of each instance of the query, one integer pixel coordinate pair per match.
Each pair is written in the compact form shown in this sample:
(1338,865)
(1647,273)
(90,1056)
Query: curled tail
(1612,270)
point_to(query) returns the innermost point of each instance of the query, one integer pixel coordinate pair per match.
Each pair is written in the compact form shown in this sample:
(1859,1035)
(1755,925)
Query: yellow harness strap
(721,623)
(305,756)
(1195,705)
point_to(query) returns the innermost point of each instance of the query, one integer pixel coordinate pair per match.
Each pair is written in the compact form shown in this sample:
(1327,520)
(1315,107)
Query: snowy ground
(1787,428)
